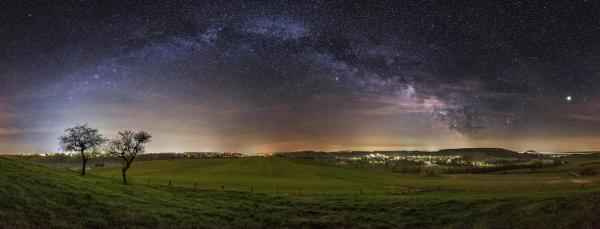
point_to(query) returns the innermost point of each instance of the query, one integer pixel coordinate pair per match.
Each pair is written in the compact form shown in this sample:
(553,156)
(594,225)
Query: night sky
(321,75)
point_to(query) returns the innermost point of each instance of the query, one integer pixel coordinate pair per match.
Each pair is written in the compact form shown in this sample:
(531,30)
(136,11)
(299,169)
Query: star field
(294,75)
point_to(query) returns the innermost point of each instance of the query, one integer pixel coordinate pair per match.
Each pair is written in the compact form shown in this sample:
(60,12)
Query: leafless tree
(128,145)
(81,138)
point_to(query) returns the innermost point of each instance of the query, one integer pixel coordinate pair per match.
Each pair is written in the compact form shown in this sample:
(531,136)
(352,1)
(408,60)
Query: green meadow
(287,192)
(296,176)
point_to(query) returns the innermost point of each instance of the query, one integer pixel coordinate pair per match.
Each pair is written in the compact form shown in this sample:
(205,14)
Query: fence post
(148,180)
(223,187)
(195,185)
(170,183)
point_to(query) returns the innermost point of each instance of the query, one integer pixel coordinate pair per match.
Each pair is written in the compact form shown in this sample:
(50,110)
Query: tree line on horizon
(126,145)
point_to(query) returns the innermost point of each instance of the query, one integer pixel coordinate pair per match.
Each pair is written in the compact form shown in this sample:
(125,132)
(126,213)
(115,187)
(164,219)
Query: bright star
(569,98)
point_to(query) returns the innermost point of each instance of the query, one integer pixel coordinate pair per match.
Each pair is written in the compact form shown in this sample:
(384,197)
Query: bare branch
(127,145)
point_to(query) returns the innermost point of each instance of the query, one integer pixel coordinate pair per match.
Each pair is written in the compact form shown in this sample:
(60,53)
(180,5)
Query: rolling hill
(35,196)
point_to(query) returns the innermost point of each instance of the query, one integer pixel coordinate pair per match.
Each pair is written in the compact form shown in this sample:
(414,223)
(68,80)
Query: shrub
(588,172)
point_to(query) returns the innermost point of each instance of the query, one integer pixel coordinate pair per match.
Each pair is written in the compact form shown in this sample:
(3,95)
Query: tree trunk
(84,163)
(124,171)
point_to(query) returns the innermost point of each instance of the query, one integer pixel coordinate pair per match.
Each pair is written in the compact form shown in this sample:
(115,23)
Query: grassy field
(286,176)
(36,196)
(268,175)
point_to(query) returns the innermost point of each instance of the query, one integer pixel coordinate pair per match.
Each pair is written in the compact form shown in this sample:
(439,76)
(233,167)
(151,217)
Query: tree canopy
(81,138)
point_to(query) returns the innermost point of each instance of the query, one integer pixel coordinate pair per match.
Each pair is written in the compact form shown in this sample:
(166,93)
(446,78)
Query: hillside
(36,196)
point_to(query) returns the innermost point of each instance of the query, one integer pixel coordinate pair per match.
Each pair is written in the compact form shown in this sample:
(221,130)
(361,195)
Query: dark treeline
(104,158)
(503,167)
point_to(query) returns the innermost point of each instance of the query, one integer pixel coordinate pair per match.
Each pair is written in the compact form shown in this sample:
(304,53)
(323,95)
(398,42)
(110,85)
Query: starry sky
(268,76)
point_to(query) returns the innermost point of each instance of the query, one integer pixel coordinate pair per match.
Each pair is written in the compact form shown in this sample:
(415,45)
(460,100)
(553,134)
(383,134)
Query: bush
(588,172)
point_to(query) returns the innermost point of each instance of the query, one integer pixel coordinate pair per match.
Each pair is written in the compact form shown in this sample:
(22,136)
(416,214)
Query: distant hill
(532,152)
(496,152)
(582,152)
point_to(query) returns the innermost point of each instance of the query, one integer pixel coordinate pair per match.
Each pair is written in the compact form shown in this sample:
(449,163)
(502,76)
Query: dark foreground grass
(36,196)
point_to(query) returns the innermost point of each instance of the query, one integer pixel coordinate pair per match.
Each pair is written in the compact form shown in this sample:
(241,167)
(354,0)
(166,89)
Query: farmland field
(37,196)
(287,176)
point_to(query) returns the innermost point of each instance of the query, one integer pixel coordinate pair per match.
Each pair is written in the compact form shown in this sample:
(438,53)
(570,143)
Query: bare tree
(127,146)
(81,138)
